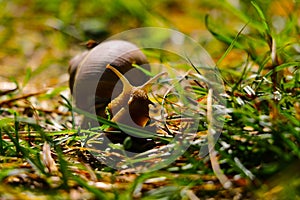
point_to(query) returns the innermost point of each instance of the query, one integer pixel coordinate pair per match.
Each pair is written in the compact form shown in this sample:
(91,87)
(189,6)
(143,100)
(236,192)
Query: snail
(94,77)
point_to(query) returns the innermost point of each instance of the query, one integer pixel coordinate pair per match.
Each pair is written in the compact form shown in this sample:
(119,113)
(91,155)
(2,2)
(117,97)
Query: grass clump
(256,49)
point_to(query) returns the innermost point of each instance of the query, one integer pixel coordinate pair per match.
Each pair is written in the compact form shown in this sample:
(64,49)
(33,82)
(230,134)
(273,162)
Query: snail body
(94,77)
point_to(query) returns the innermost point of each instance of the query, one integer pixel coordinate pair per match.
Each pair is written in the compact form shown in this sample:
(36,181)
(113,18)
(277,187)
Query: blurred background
(39,37)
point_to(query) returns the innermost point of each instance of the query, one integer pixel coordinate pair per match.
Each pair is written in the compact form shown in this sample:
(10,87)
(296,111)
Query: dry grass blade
(191,195)
(47,159)
(226,183)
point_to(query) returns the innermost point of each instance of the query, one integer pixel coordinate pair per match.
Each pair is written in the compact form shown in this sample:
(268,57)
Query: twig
(8,101)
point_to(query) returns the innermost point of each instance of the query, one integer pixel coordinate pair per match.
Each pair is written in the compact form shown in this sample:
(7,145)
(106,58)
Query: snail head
(133,100)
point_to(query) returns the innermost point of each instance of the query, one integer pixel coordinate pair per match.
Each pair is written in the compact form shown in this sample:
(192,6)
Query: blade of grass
(240,14)
(27,77)
(16,129)
(1,142)
(226,183)
(277,69)
(63,165)
(70,107)
(223,38)
(232,44)
(138,132)
(148,73)
(262,16)
(281,67)
(242,77)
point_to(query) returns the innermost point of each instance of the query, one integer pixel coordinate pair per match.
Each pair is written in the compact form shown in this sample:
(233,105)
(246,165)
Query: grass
(256,48)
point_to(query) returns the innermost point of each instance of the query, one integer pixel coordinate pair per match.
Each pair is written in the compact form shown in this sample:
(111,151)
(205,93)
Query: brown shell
(92,85)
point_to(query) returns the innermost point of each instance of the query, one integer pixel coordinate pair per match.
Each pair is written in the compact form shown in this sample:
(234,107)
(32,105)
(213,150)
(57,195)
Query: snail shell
(93,86)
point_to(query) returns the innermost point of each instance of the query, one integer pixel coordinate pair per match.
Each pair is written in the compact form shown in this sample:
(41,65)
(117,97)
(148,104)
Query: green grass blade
(262,16)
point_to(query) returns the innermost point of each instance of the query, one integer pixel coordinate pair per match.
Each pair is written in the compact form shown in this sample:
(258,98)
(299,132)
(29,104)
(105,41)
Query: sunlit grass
(256,51)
